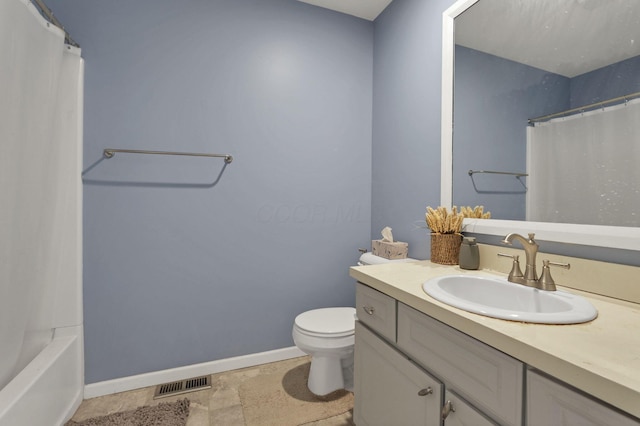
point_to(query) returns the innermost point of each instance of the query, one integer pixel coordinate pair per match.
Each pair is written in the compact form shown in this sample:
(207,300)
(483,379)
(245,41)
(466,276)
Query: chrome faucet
(530,247)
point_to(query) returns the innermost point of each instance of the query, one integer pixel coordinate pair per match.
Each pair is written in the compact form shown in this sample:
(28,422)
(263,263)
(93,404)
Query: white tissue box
(394,250)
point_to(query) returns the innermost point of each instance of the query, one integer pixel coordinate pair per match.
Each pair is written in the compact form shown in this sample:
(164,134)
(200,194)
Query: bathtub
(50,388)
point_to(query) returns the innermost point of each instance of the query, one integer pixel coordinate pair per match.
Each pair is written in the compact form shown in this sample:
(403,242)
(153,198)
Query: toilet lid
(333,321)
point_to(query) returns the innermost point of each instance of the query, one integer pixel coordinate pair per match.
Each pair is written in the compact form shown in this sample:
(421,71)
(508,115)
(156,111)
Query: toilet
(327,334)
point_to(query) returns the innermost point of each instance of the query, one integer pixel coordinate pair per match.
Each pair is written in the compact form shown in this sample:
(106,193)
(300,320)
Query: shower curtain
(40,142)
(584,168)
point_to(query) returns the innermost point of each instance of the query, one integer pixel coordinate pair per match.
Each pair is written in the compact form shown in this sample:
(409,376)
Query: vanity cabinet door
(390,389)
(552,403)
(457,412)
(484,376)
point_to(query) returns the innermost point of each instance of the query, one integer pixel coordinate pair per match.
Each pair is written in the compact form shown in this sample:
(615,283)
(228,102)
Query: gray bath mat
(163,414)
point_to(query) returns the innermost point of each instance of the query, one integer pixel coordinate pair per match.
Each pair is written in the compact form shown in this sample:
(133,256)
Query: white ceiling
(365,9)
(567,37)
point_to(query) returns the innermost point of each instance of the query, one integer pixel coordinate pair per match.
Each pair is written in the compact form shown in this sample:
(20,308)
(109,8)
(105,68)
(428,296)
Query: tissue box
(395,250)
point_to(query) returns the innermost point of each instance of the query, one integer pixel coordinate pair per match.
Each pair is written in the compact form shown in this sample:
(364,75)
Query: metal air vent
(182,386)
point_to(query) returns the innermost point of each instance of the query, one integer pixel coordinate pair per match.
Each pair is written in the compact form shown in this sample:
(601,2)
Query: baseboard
(158,377)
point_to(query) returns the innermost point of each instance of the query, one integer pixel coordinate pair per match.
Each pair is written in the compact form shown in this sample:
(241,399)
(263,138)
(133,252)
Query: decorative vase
(445,248)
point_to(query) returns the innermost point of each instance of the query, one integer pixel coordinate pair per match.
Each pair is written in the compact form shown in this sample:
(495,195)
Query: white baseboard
(158,377)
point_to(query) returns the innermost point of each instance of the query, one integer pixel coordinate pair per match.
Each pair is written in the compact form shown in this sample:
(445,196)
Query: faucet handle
(562,265)
(516,275)
(546,282)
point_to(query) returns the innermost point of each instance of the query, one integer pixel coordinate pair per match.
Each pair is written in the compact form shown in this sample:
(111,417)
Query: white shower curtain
(40,143)
(586,168)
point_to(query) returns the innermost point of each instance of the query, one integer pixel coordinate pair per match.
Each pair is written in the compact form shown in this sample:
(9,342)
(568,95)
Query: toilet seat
(327,322)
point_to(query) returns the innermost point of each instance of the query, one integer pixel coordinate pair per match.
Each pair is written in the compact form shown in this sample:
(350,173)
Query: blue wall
(493,99)
(406,119)
(605,83)
(187,261)
(334,123)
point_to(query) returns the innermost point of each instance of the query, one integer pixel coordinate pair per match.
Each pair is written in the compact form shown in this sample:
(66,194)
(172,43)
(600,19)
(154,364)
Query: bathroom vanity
(420,362)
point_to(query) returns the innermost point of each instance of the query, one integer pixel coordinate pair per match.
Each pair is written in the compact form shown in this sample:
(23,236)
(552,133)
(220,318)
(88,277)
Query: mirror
(491,17)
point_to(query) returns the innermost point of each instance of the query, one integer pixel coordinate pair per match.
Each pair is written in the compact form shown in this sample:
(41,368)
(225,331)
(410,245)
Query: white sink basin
(498,298)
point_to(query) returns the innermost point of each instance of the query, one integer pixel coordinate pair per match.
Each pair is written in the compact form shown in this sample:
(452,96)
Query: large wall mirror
(507,64)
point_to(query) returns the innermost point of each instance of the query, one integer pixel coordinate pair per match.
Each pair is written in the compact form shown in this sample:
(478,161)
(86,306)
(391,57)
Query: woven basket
(445,248)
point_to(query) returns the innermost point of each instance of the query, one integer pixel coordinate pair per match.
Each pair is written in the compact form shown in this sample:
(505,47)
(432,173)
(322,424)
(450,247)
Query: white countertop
(601,357)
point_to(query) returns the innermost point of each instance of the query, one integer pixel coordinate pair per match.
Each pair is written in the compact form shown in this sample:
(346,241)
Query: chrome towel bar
(472,172)
(110,152)
(518,176)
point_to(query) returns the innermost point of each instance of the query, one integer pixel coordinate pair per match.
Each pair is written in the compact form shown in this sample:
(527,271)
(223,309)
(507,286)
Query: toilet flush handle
(368,309)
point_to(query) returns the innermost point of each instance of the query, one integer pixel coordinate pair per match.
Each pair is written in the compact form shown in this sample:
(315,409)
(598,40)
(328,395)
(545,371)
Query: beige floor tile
(218,406)
(110,404)
(201,397)
(228,416)
(223,395)
(198,415)
(345,419)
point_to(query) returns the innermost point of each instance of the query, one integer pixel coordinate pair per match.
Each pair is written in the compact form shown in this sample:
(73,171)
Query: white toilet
(327,335)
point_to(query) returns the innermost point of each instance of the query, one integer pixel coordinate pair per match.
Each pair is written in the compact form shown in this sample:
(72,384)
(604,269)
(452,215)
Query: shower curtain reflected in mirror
(585,168)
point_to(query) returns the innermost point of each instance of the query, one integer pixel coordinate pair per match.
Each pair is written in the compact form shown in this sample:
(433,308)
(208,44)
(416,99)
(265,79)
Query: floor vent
(183,386)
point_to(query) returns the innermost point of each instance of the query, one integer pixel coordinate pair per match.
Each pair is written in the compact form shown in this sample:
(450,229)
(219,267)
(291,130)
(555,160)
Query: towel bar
(110,152)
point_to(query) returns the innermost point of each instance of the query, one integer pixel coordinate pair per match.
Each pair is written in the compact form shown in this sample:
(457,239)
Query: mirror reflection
(520,60)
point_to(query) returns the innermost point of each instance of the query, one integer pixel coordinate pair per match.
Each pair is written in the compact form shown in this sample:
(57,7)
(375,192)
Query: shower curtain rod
(49,15)
(628,97)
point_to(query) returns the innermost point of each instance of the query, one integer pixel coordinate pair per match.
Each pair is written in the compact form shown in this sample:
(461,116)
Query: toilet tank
(371,259)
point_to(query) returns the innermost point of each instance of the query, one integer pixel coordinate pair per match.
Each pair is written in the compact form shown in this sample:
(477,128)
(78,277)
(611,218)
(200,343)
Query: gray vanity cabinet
(411,369)
(485,377)
(394,388)
(552,403)
(377,311)
(463,414)
(390,389)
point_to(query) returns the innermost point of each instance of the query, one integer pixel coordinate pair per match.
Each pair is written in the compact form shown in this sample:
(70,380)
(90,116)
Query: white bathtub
(50,388)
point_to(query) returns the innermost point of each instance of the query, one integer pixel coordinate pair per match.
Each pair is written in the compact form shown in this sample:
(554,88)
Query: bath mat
(283,399)
(163,414)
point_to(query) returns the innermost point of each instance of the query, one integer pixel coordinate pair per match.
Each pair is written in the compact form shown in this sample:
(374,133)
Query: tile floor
(218,406)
